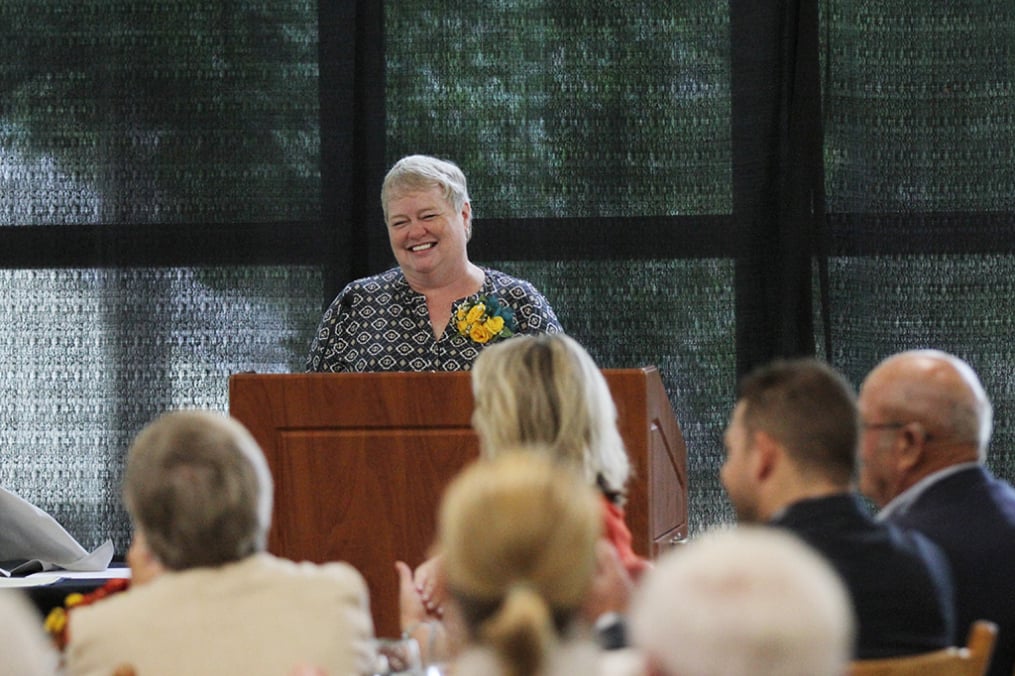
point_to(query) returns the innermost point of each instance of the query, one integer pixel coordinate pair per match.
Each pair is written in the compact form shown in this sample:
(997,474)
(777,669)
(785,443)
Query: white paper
(53,576)
(27,532)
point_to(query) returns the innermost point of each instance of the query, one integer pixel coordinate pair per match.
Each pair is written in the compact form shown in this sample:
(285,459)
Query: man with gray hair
(199,492)
(751,601)
(926,425)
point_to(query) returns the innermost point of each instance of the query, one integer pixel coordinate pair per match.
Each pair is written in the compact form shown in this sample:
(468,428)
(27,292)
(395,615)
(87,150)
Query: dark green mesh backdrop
(87,357)
(919,106)
(591,109)
(920,167)
(137,112)
(184,184)
(133,115)
(574,109)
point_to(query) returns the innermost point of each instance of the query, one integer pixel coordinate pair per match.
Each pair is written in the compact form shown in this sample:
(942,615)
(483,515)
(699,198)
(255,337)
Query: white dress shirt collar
(904,500)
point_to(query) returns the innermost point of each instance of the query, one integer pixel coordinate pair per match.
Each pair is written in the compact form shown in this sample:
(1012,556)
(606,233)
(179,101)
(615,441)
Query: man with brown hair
(791,455)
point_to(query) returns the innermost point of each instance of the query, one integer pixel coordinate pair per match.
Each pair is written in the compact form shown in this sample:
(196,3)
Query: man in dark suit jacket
(791,455)
(927,422)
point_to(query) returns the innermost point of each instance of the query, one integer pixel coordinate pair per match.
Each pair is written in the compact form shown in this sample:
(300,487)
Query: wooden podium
(360,461)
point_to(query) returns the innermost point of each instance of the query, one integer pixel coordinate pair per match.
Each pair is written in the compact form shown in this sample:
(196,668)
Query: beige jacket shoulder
(263,615)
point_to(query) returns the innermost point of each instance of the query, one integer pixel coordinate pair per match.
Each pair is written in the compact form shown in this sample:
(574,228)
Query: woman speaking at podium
(437,310)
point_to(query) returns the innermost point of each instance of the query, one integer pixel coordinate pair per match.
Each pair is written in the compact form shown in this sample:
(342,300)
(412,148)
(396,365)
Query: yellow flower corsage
(485,320)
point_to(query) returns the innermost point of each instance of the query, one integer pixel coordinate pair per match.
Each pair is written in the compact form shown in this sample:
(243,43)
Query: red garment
(620,537)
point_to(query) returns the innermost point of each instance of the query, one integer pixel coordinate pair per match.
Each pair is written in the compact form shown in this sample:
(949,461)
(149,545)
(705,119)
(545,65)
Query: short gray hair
(423,172)
(198,486)
(750,601)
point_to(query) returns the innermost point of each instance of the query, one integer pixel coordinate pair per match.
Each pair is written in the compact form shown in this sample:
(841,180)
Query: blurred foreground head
(199,489)
(518,535)
(750,601)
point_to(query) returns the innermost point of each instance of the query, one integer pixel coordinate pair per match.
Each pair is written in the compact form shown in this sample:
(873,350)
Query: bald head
(921,411)
(935,389)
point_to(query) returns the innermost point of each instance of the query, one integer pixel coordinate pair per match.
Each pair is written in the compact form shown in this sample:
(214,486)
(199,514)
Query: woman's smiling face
(427,235)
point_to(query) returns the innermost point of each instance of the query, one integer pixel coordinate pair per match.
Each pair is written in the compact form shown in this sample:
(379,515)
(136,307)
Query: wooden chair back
(971,660)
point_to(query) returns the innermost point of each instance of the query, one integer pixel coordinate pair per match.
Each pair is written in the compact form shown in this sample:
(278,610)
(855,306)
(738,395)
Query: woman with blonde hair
(518,535)
(546,392)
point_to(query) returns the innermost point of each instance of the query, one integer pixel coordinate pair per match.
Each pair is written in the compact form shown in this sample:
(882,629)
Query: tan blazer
(262,615)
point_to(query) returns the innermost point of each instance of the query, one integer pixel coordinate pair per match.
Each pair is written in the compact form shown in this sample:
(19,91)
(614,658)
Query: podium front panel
(360,462)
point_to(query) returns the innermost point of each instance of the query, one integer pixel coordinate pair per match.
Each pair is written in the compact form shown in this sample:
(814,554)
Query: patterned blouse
(380,324)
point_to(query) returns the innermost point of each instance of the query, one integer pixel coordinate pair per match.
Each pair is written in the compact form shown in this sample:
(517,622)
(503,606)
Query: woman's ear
(467,220)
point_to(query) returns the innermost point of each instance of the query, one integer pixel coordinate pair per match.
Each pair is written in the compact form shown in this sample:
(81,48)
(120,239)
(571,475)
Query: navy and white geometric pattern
(379,323)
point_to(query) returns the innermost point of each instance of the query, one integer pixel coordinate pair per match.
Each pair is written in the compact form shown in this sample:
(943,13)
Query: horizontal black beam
(922,234)
(308,244)
(620,238)
(162,245)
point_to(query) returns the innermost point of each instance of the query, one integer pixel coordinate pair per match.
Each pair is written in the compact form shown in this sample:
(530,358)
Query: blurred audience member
(927,422)
(546,392)
(743,602)
(791,457)
(24,648)
(199,493)
(518,535)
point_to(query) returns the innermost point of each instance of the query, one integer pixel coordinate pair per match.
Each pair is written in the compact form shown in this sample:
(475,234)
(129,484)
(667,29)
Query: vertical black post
(778,194)
(352,138)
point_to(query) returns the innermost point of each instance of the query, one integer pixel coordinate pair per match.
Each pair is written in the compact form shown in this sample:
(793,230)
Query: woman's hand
(416,620)
(612,586)
(429,581)
(411,611)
